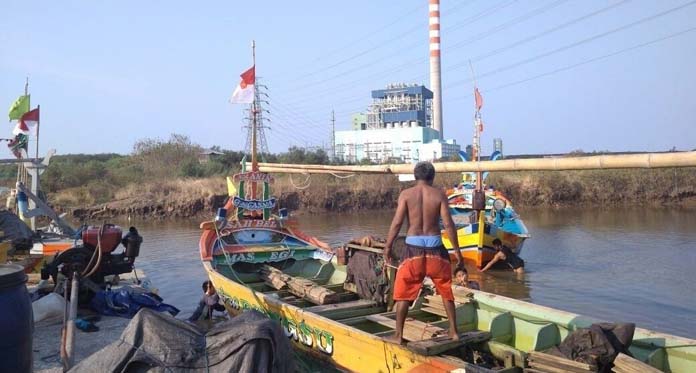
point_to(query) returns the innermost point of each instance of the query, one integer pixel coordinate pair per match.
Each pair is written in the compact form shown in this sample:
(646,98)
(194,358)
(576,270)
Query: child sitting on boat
(461,279)
(209,303)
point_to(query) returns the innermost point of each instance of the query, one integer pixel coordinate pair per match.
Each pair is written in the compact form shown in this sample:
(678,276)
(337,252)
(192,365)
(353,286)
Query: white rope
(307,182)
(341,177)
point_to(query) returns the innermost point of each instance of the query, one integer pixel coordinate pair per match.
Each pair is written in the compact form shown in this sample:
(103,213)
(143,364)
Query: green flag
(19,107)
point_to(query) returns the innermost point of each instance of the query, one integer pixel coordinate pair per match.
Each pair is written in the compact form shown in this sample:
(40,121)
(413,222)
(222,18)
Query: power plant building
(396,127)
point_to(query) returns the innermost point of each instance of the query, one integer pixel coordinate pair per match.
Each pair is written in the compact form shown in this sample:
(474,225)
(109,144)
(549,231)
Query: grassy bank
(187,197)
(165,178)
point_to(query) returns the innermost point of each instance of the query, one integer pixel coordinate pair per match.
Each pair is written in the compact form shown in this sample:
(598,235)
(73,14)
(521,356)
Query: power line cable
(598,58)
(486,34)
(557,50)
(466,22)
(379,45)
(577,43)
(535,36)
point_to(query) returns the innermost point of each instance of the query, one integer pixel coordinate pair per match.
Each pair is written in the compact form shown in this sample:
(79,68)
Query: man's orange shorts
(419,262)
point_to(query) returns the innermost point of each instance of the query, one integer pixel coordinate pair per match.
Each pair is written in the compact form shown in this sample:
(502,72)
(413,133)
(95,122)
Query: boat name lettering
(236,224)
(281,255)
(241,257)
(299,332)
(253,176)
(254,204)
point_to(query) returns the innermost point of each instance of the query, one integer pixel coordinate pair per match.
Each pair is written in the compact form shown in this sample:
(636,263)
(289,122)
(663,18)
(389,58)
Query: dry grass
(326,192)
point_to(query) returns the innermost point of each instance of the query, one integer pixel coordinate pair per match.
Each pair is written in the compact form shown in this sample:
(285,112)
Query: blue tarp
(126,303)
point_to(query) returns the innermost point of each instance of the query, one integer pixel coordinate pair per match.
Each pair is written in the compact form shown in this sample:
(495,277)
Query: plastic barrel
(16,320)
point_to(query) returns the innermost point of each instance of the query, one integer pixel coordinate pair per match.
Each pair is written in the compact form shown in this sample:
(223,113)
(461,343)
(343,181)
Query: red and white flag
(244,93)
(27,123)
(478,98)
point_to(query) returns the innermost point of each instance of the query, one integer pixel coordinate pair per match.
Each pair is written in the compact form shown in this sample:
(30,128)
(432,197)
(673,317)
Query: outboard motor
(85,259)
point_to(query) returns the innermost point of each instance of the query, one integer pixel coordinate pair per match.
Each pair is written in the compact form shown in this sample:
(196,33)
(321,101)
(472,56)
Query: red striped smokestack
(435,76)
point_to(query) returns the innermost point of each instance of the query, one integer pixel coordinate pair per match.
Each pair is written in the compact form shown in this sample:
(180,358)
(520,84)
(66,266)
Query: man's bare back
(424,205)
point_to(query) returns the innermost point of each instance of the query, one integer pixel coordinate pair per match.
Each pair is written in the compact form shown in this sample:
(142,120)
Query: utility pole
(333,136)
(257,114)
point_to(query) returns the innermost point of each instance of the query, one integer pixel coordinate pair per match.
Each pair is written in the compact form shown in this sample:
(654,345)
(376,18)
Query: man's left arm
(450,228)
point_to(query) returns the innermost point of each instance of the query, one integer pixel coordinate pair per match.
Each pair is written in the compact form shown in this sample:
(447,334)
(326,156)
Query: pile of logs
(299,287)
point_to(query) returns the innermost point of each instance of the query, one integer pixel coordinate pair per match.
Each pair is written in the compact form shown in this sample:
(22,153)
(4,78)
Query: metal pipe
(70,329)
(63,336)
(598,162)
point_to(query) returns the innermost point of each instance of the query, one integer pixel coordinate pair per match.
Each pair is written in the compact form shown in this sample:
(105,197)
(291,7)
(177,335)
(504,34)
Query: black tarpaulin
(156,342)
(597,345)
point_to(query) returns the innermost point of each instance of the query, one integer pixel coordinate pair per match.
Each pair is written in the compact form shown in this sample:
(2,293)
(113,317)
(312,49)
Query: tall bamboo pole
(597,162)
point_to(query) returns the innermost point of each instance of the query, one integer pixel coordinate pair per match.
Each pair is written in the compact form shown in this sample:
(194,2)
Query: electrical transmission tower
(260,96)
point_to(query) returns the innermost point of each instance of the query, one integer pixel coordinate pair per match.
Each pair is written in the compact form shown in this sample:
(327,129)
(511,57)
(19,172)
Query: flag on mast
(244,93)
(478,98)
(27,123)
(19,107)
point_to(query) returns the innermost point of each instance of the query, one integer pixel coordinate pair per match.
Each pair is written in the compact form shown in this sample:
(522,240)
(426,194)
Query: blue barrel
(16,320)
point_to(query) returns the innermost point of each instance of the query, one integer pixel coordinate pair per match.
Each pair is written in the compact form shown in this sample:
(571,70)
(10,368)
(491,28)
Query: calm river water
(635,265)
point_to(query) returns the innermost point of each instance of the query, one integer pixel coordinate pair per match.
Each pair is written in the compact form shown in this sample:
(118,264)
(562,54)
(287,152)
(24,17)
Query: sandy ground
(47,336)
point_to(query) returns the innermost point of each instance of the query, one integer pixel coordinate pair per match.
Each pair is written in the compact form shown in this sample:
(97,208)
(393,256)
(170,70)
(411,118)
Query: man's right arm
(395,227)
(450,228)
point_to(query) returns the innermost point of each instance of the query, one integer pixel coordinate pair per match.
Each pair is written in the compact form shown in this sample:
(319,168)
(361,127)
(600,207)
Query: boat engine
(95,258)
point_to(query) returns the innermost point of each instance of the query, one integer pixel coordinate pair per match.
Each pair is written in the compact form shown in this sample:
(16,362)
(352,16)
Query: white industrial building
(396,127)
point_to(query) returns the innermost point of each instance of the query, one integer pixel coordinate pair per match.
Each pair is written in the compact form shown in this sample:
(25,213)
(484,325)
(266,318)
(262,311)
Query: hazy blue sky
(107,73)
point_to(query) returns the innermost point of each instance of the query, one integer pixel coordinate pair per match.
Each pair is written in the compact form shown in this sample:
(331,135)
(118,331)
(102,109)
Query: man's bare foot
(453,335)
(394,339)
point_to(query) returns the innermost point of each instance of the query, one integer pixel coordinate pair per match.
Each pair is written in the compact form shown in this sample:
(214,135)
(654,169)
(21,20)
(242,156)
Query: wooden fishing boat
(482,214)
(499,220)
(280,274)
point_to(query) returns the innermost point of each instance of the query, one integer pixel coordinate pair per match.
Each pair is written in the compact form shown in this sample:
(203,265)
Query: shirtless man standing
(425,255)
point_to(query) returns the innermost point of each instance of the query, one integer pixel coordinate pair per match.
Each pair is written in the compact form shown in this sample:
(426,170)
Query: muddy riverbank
(185,198)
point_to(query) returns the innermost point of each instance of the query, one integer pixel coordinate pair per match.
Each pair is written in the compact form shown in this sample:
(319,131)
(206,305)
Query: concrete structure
(400,106)
(359,121)
(396,127)
(439,149)
(384,144)
(435,76)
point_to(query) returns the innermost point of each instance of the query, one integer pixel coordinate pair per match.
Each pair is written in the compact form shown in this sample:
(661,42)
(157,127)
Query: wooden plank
(551,368)
(365,248)
(361,303)
(434,311)
(414,330)
(625,363)
(544,357)
(555,366)
(438,345)
(541,357)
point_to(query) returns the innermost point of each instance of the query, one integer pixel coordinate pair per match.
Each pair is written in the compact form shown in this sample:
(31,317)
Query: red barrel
(110,237)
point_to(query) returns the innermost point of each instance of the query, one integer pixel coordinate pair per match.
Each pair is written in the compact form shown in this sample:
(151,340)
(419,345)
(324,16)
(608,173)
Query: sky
(555,75)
